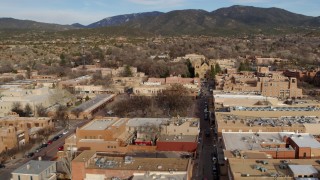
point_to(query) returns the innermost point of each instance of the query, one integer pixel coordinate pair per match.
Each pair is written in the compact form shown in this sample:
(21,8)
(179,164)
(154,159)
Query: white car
(65,131)
(214,160)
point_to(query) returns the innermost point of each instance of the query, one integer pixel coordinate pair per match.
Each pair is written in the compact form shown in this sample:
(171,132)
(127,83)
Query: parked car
(60,135)
(55,138)
(49,142)
(39,149)
(2,166)
(207,132)
(61,148)
(214,169)
(65,131)
(29,155)
(214,160)
(44,145)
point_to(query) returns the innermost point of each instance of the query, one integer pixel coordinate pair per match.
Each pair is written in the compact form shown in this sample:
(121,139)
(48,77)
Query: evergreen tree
(127,71)
(217,68)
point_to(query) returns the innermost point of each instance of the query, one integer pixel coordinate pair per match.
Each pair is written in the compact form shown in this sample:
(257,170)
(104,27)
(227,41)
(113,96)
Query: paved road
(204,169)
(47,153)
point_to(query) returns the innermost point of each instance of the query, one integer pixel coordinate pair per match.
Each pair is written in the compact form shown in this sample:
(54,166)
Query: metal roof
(36,167)
(303,169)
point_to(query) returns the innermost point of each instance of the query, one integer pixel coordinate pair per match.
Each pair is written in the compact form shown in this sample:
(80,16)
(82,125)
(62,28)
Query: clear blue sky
(89,11)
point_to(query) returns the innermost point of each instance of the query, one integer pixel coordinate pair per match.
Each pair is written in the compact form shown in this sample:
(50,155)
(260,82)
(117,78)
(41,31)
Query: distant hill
(78,25)
(11,23)
(233,19)
(224,21)
(122,19)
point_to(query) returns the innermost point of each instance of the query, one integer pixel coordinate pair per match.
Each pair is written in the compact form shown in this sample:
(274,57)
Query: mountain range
(231,19)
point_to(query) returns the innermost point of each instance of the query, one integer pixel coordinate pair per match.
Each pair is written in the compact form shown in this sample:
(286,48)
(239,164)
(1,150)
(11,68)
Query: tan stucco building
(17,131)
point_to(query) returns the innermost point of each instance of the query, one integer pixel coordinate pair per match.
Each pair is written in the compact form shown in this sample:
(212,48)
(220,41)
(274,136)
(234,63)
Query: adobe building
(281,169)
(271,121)
(122,135)
(16,131)
(71,83)
(156,85)
(94,165)
(225,101)
(148,90)
(109,134)
(114,72)
(277,145)
(179,135)
(302,75)
(271,84)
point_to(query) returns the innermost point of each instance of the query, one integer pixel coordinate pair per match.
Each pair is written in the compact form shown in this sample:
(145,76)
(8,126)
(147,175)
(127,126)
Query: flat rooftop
(265,120)
(100,124)
(84,156)
(248,168)
(36,167)
(303,169)
(160,175)
(253,141)
(14,118)
(271,108)
(305,140)
(136,122)
(143,164)
(178,138)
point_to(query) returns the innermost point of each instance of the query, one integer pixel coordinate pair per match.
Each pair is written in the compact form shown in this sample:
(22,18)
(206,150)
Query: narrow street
(205,165)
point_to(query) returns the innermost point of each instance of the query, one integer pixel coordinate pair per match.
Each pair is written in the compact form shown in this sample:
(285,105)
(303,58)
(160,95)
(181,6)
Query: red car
(61,148)
(49,142)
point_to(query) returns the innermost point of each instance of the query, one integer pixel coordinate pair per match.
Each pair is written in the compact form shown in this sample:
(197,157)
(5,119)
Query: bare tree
(175,99)
(62,115)
(76,111)
(41,110)
(28,110)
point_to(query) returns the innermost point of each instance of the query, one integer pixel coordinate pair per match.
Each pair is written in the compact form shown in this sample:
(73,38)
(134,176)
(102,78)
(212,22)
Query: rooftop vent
(245,175)
(128,159)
